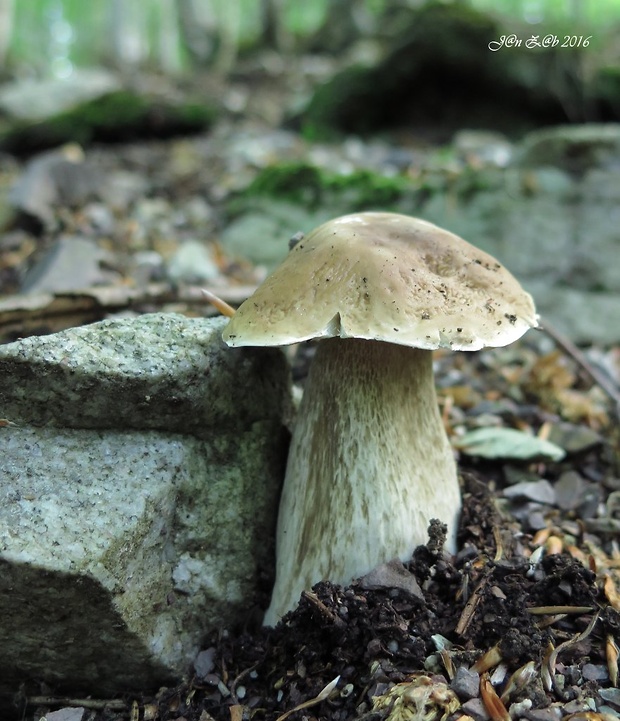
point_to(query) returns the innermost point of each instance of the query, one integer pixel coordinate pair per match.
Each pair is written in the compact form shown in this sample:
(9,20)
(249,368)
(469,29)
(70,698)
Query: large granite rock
(140,465)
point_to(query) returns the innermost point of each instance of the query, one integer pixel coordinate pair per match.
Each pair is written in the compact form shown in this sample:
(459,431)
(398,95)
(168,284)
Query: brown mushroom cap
(388,277)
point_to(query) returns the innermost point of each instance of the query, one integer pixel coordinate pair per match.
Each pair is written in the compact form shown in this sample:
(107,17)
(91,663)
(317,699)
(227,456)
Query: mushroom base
(369,466)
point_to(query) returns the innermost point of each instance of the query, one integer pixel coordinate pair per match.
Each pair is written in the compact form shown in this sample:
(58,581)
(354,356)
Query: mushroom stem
(369,465)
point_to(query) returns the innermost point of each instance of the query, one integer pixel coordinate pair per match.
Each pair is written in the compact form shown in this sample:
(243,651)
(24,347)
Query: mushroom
(370,463)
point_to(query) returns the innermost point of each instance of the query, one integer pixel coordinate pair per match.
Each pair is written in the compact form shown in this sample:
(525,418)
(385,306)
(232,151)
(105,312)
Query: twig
(96,704)
(218,303)
(546,610)
(322,609)
(553,656)
(239,677)
(325,693)
(600,378)
(22,314)
(470,606)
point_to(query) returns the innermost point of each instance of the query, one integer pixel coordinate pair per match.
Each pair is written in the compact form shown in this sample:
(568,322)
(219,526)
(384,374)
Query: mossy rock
(607,92)
(574,149)
(120,116)
(440,77)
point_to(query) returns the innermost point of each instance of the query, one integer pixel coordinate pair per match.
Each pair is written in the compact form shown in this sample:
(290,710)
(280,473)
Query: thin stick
(546,610)
(96,704)
(325,693)
(470,606)
(315,601)
(220,304)
(595,374)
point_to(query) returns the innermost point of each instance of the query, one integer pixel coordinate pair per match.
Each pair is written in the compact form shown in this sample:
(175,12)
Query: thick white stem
(369,466)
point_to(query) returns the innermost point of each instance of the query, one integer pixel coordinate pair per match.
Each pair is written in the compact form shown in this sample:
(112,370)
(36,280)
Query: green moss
(116,117)
(295,182)
(312,187)
(606,86)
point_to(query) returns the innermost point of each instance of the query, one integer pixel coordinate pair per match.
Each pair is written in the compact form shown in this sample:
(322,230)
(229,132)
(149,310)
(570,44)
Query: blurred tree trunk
(129,34)
(6,28)
(275,35)
(170,56)
(339,29)
(199,29)
(230,29)
(211,38)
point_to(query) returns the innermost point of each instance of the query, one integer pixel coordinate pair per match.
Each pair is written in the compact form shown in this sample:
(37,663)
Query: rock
(596,672)
(569,490)
(204,662)
(443,53)
(392,574)
(524,221)
(611,695)
(574,148)
(123,189)
(38,99)
(483,147)
(66,714)
(476,709)
(116,116)
(55,179)
(586,317)
(574,438)
(262,235)
(538,491)
(598,239)
(466,683)
(520,708)
(192,263)
(146,266)
(138,498)
(70,263)
(551,713)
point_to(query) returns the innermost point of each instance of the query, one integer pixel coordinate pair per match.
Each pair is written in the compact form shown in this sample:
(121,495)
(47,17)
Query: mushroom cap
(388,277)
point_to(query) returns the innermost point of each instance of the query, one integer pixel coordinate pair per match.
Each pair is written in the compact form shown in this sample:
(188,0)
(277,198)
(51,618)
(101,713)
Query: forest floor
(523,623)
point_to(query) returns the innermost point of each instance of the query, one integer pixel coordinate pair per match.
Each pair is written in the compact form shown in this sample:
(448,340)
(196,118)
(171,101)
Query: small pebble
(466,683)
(100,217)
(70,263)
(611,695)
(66,714)
(551,713)
(211,678)
(595,672)
(392,646)
(568,490)
(475,708)
(539,491)
(611,712)
(192,262)
(574,438)
(578,706)
(204,663)
(518,709)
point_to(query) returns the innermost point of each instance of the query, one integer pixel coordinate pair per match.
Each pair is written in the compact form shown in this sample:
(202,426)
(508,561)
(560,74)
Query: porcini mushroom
(370,463)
